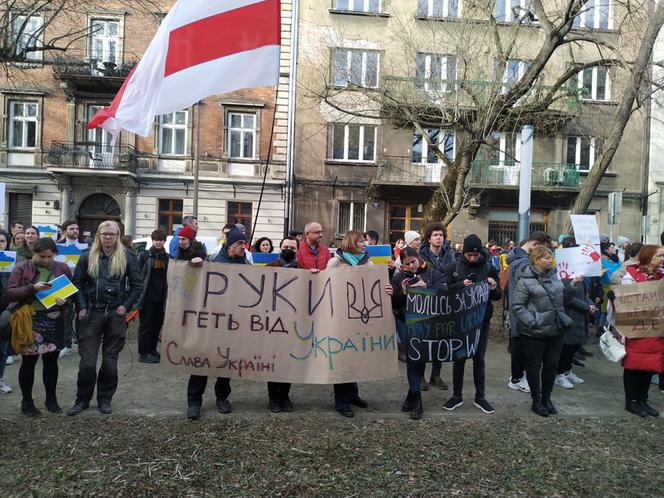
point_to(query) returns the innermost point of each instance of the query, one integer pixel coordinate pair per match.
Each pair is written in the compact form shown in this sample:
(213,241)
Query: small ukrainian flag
(7,261)
(379,255)
(61,288)
(68,254)
(264,258)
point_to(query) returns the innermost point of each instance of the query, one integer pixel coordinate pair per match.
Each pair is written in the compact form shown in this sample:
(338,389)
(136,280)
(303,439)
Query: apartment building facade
(360,166)
(56,169)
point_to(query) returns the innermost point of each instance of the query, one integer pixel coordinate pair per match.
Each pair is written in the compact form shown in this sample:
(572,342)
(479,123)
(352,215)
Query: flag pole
(197,136)
(267,166)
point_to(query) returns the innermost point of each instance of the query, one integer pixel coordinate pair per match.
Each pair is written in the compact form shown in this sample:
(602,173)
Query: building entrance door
(403,217)
(95,209)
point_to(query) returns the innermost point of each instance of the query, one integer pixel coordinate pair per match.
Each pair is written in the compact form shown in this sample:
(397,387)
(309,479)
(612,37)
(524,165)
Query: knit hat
(241,227)
(187,232)
(622,240)
(472,243)
(410,236)
(234,236)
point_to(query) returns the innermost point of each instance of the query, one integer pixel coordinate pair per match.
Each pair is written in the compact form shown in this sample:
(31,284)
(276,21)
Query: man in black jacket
(472,268)
(109,284)
(154,266)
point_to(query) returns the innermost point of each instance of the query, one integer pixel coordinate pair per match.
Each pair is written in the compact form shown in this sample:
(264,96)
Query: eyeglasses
(109,235)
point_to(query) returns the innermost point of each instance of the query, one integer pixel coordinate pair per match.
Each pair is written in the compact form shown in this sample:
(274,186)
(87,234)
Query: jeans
(517,358)
(566,357)
(479,368)
(108,330)
(151,318)
(637,383)
(344,393)
(415,372)
(198,383)
(401,331)
(278,391)
(26,375)
(542,356)
(69,330)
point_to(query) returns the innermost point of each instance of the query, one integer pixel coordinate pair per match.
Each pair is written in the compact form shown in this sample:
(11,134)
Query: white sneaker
(572,377)
(521,385)
(64,352)
(4,387)
(561,380)
(10,360)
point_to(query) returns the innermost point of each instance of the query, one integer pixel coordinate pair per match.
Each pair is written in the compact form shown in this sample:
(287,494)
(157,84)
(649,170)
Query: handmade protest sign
(48,231)
(7,261)
(445,326)
(584,260)
(379,255)
(69,254)
(276,324)
(586,230)
(61,288)
(639,309)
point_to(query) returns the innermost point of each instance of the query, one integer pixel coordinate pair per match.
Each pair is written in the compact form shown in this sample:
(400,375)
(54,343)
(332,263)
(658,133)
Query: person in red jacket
(312,255)
(645,355)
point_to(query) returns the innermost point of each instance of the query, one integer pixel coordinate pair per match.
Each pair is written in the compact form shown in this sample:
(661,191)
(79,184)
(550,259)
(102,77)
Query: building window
(584,151)
(595,14)
(356,67)
(353,142)
(104,43)
(435,72)
(27,31)
(170,214)
(240,212)
(438,8)
(173,133)
(594,83)
(515,11)
(102,139)
(424,154)
(352,216)
(241,135)
(504,149)
(372,6)
(403,218)
(514,71)
(23,125)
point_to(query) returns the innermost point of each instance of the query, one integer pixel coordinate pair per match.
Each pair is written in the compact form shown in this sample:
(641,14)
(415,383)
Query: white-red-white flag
(202,48)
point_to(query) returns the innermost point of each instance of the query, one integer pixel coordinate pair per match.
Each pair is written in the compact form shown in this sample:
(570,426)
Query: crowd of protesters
(548,320)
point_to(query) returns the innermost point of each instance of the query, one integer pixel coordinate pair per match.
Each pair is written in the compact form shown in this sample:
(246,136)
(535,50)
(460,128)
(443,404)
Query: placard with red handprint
(573,261)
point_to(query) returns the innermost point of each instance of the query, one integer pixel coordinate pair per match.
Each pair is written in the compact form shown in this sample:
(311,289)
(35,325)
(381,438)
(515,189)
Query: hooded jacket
(437,262)
(538,301)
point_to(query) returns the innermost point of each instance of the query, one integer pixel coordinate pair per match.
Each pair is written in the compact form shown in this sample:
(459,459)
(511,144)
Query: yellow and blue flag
(7,261)
(264,258)
(48,231)
(69,254)
(379,255)
(61,288)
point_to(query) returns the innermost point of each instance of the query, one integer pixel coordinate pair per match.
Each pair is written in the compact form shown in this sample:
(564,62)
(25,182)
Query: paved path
(150,390)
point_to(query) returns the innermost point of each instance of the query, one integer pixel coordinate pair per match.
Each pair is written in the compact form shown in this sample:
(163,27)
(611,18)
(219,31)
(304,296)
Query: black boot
(417,410)
(29,409)
(409,402)
(649,409)
(636,408)
(539,408)
(546,402)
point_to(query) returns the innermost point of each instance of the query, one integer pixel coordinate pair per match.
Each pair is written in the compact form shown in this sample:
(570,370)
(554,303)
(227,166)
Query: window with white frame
(423,153)
(372,6)
(102,139)
(23,124)
(173,133)
(515,11)
(27,31)
(583,151)
(514,71)
(435,72)
(356,67)
(242,135)
(352,216)
(594,81)
(105,42)
(438,8)
(595,14)
(353,142)
(504,149)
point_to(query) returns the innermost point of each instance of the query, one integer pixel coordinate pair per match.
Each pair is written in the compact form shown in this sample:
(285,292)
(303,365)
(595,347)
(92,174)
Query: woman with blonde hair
(108,278)
(26,249)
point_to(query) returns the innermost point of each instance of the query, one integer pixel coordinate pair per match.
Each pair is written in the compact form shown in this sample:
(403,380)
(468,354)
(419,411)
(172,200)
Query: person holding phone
(48,329)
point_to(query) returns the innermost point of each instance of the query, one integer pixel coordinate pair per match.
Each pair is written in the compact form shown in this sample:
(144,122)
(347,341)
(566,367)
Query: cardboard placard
(639,309)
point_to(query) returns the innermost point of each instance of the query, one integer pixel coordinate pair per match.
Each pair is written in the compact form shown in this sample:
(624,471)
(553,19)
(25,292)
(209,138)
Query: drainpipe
(292,83)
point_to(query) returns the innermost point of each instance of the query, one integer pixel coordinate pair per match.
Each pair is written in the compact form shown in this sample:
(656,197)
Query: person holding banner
(645,355)
(26,249)
(27,279)
(538,306)
(473,267)
(312,255)
(109,283)
(231,252)
(264,244)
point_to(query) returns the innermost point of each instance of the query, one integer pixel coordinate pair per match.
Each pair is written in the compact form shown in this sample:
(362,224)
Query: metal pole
(197,136)
(525,175)
(292,81)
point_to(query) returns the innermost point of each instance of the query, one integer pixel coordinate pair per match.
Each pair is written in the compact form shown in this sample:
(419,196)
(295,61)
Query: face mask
(288,255)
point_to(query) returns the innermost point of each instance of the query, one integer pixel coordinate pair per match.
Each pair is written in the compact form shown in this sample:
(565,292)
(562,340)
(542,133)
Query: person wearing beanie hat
(412,239)
(622,243)
(188,248)
(473,267)
(233,250)
(187,232)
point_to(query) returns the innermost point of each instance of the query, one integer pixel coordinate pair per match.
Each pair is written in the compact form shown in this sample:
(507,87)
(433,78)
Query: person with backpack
(473,267)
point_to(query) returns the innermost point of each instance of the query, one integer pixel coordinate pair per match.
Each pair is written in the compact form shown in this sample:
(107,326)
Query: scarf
(352,259)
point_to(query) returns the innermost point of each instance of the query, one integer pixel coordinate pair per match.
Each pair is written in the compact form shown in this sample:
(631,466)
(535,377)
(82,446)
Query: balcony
(90,157)
(400,170)
(505,174)
(90,77)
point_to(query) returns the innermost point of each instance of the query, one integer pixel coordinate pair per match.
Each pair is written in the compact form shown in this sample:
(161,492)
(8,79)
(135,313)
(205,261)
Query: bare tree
(486,96)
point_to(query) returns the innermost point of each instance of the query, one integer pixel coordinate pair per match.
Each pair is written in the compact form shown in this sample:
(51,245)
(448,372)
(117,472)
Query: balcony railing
(91,155)
(545,175)
(400,170)
(71,68)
